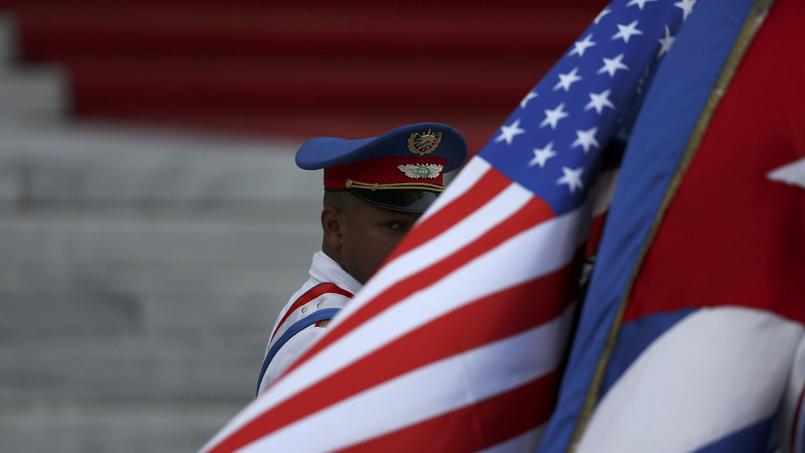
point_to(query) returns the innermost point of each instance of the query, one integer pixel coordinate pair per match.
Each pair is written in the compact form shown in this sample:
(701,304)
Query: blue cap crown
(409,140)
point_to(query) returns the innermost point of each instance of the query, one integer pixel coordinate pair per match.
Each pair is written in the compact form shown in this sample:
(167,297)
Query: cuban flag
(458,342)
(691,336)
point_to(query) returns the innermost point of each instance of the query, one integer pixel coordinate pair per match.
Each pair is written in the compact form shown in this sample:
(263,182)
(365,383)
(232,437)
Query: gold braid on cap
(350,184)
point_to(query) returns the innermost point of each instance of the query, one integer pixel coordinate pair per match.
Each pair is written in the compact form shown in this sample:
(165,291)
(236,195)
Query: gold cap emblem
(421,143)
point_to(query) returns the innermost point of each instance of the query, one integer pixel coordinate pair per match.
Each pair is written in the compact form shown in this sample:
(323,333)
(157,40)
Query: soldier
(374,191)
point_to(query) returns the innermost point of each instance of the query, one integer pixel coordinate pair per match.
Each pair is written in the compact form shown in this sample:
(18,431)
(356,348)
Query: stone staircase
(140,272)
(140,275)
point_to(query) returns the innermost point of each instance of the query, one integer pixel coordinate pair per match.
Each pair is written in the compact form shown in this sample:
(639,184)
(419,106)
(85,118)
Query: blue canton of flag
(553,142)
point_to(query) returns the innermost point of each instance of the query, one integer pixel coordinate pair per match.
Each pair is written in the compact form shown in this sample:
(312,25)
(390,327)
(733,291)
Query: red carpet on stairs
(298,69)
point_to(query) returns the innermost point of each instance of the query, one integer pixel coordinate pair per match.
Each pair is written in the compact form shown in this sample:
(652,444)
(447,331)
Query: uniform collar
(325,269)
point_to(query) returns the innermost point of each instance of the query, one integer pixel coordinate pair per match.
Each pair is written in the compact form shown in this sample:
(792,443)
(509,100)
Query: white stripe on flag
(483,372)
(715,372)
(468,175)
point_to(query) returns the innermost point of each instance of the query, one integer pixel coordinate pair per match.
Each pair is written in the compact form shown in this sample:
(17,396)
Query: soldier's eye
(393,225)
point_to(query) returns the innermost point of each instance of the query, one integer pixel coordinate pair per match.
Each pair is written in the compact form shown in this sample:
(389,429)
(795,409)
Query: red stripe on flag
(483,321)
(487,187)
(476,426)
(533,213)
(312,293)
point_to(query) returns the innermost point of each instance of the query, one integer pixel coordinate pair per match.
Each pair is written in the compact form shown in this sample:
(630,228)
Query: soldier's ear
(332,225)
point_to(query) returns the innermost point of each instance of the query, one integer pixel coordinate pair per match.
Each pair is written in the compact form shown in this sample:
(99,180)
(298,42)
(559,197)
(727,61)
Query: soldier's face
(370,235)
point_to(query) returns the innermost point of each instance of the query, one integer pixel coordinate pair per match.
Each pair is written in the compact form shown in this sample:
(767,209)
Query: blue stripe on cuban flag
(753,438)
(585,103)
(634,337)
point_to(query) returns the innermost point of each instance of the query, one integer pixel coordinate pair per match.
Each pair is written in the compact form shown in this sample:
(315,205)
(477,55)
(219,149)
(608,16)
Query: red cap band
(400,173)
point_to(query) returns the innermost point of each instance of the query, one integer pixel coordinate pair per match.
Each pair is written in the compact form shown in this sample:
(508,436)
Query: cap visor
(415,201)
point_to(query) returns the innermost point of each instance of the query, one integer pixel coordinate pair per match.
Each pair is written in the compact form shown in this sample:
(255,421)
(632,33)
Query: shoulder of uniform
(315,306)
(324,295)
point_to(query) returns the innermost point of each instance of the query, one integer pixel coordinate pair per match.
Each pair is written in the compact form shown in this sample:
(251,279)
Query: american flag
(457,343)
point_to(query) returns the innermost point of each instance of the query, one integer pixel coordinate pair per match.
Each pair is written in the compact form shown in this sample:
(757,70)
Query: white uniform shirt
(327,290)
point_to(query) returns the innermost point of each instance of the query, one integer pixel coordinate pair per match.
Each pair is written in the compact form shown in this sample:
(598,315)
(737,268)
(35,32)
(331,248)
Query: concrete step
(120,428)
(156,280)
(32,93)
(33,316)
(47,314)
(200,368)
(100,164)
(82,239)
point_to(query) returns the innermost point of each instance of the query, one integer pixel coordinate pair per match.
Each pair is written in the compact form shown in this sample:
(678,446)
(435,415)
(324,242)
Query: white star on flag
(507,133)
(571,177)
(541,155)
(531,95)
(665,42)
(686,6)
(627,31)
(565,80)
(580,46)
(552,117)
(599,101)
(611,65)
(586,139)
(640,3)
